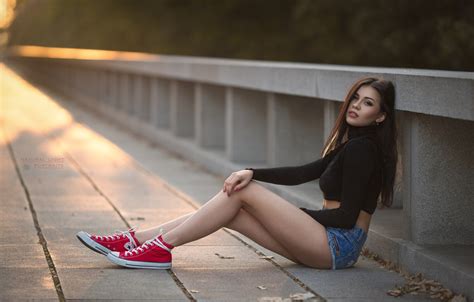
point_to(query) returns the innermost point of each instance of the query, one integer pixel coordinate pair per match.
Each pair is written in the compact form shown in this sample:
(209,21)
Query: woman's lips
(353,114)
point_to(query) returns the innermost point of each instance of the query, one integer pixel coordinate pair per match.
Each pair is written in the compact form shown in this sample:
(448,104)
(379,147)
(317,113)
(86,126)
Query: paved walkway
(64,170)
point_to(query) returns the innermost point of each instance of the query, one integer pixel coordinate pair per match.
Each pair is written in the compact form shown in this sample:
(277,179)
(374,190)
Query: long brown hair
(387,132)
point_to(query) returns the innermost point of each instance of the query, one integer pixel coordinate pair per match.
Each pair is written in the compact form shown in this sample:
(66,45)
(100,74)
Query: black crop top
(351,174)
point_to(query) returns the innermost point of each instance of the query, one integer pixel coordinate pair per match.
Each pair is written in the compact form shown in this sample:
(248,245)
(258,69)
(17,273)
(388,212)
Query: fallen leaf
(193,291)
(394,292)
(261,287)
(266,257)
(301,296)
(271,299)
(414,284)
(224,257)
(458,298)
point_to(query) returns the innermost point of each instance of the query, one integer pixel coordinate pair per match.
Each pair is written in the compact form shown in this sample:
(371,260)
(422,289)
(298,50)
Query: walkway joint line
(42,240)
(81,171)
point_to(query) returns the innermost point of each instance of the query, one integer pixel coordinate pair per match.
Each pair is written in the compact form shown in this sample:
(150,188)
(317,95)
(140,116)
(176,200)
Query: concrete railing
(230,114)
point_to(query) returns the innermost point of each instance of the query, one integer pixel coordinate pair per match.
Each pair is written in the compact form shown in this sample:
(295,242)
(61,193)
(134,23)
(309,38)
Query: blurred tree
(406,33)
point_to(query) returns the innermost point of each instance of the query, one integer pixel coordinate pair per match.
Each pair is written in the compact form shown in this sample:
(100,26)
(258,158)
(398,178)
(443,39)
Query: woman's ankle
(168,245)
(168,240)
(141,237)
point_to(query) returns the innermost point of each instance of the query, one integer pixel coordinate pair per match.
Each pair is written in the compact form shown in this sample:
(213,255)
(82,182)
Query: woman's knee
(251,189)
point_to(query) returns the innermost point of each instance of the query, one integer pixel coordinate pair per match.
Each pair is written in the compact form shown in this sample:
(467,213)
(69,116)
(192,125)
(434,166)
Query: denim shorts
(345,245)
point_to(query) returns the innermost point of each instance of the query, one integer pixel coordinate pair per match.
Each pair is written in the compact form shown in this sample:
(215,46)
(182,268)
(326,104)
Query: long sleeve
(294,175)
(358,166)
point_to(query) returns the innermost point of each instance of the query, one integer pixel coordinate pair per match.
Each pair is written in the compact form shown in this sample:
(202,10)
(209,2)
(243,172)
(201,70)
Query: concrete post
(135,96)
(97,85)
(437,174)
(113,89)
(210,116)
(77,79)
(295,129)
(103,87)
(145,110)
(182,109)
(160,99)
(330,113)
(246,126)
(124,97)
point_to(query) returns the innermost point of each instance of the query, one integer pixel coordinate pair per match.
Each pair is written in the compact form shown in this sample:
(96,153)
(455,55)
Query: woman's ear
(381,118)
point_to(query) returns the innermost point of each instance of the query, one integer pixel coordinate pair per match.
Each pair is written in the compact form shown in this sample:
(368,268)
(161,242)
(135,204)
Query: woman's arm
(294,175)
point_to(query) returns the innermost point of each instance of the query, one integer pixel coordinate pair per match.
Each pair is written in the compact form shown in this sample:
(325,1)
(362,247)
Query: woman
(357,168)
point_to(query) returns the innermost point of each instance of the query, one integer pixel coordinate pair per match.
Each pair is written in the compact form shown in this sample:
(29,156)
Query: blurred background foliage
(404,33)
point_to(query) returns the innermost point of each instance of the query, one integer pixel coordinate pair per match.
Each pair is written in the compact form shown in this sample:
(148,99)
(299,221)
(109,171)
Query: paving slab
(72,204)
(18,234)
(74,255)
(13,217)
(224,284)
(23,256)
(119,283)
(78,219)
(366,280)
(26,283)
(67,235)
(23,268)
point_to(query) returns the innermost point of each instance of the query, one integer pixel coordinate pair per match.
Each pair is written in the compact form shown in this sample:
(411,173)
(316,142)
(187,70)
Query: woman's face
(366,104)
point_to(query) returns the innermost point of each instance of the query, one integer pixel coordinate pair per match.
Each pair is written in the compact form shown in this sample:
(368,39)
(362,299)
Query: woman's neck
(356,131)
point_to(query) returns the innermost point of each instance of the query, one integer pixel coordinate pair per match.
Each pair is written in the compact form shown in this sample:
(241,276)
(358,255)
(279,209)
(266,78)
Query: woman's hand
(237,180)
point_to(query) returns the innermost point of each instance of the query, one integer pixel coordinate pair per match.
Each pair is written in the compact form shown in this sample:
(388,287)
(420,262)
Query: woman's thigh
(249,226)
(296,231)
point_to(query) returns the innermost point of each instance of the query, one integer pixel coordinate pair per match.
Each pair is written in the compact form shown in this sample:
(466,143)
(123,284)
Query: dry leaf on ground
(224,257)
(302,296)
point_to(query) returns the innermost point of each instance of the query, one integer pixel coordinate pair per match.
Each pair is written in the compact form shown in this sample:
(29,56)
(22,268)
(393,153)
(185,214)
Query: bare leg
(214,214)
(249,226)
(150,233)
(294,230)
(243,223)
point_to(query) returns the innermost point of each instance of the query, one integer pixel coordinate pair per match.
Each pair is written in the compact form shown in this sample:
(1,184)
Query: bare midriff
(363,221)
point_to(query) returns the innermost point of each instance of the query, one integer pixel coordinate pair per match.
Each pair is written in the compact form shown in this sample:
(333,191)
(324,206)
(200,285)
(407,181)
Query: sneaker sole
(138,264)
(85,239)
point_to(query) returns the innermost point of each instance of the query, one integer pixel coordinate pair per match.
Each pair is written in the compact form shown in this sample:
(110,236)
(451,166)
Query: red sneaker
(120,241)
(154,254)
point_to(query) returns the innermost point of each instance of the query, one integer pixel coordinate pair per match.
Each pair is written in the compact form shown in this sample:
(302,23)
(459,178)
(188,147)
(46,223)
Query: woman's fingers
(230,188)
(232,183)
(237,187)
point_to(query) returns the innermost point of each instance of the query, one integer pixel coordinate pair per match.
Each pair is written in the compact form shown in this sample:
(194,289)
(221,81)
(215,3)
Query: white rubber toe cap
(116,254)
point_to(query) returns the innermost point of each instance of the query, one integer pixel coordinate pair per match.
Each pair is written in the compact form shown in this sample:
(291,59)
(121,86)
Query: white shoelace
(120,234)
(147,244)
